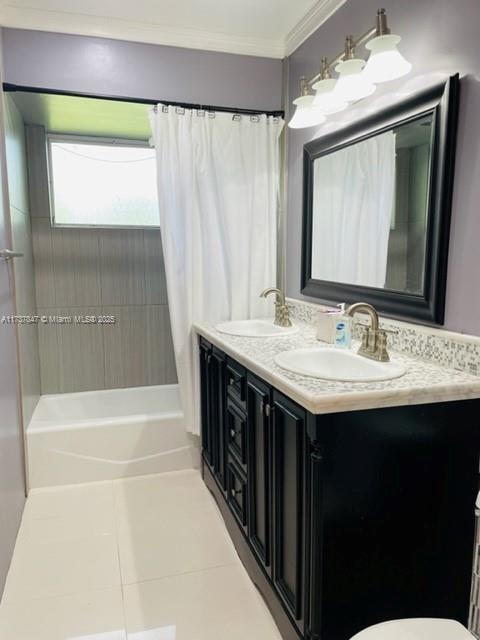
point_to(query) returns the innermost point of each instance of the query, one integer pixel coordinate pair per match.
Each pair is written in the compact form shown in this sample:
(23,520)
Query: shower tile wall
(116,272)
(22,267)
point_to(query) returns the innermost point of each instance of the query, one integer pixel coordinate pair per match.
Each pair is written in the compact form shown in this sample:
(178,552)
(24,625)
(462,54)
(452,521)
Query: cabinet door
(288,436)
(259,465)
(205,385)
(217,413)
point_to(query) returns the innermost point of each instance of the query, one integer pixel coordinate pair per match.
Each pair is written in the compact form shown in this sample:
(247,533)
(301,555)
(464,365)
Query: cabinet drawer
(236,383)
(236,432)
(237,493)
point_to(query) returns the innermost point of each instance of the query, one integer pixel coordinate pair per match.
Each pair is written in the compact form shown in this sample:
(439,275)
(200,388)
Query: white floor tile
(206,605)
(62,568)
(149,498)
(169,525)
(96,615)
(36,531)
(91,502)
(183,578)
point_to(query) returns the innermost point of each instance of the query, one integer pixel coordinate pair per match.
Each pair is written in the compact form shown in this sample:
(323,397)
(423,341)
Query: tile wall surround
(23,268)
(431,344)
(118,272)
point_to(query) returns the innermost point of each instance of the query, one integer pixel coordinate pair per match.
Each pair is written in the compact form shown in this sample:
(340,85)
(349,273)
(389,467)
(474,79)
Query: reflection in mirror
(370,205)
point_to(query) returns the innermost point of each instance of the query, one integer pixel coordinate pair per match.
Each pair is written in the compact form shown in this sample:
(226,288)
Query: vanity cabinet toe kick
(342,520)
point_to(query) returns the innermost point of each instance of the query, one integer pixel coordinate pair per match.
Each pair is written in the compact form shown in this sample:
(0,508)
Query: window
(96,182)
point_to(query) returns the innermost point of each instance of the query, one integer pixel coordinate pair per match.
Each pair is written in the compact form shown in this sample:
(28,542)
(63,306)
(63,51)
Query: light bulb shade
(352,84)
(326,99)
(385,61)
(306,115)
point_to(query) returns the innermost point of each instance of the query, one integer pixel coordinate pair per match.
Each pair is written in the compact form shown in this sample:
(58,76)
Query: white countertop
(423,383)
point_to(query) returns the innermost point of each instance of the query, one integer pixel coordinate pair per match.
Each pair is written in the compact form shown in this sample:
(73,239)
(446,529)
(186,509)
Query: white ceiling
(272,28)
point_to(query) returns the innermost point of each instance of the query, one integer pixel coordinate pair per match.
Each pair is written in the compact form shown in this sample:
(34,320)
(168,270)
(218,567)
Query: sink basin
(261,328)
(337,364)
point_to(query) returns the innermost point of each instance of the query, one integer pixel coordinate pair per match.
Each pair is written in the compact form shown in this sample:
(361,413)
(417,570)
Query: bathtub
(105,435)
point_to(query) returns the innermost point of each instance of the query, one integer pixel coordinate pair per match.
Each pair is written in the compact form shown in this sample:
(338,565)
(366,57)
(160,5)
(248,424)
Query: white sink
(337,364)
(260,328)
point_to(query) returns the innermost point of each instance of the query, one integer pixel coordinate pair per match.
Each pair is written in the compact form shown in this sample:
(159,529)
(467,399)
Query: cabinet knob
(231,382)
(233,492)
(233,433)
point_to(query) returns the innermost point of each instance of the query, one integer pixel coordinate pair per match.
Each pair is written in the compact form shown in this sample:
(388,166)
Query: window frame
(91,140)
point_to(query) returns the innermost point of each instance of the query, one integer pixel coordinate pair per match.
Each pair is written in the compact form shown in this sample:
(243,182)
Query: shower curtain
(353,204)
(218,178)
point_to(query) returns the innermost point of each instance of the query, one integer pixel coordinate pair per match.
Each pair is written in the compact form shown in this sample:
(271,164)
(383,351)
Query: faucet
(374,339)
(282,314)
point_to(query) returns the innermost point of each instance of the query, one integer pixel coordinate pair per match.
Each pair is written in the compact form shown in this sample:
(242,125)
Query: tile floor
(143,558)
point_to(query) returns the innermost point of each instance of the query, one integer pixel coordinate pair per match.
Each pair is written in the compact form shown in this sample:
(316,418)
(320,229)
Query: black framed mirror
(376,207)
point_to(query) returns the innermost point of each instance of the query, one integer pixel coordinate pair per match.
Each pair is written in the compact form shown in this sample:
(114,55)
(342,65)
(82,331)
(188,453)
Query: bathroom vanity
(349,504)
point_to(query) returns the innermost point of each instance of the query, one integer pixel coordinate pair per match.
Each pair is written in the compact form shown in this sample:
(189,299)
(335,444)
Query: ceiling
(84,116)
(271,28)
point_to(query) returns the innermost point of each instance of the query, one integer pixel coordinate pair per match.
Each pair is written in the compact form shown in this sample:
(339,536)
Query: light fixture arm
(325,70)
(304,87)
(382,26)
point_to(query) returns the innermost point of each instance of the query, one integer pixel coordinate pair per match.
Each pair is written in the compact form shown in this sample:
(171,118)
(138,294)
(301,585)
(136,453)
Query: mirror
(370,204)
(375,224)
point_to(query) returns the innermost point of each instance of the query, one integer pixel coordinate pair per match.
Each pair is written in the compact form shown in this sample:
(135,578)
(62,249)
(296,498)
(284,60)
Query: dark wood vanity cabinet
(212,377)
(347,519)
(259,470)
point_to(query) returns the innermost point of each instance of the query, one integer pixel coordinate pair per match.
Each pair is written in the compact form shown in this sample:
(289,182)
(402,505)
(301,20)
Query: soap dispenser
(333,326)
(343,328)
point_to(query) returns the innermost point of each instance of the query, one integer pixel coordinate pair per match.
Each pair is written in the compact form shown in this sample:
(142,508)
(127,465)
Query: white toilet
(416,629)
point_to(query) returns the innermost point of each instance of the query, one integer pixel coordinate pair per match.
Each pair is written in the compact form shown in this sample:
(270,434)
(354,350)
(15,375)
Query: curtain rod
(9,88)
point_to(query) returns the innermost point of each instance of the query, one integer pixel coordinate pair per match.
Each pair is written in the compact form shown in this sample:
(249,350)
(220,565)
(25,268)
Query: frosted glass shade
(306,115)
(385,62)
(352,84)
(326,99)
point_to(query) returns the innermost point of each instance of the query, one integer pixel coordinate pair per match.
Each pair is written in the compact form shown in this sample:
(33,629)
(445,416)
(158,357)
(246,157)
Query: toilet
(416,629)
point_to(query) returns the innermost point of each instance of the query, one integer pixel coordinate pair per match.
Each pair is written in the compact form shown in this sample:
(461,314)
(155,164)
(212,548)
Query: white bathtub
(104,435)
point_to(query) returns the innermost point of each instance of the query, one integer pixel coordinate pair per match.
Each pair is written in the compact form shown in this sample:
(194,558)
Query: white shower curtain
(354,199)
(217,191)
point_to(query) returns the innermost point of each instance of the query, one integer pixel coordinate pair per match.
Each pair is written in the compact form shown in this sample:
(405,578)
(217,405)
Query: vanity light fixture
(326,99)
(306,113)
(385,62)
(356,79)
(352,84)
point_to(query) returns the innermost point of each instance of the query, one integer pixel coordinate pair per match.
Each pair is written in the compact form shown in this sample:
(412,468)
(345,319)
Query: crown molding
(151,33)
(118,29)
(317,15)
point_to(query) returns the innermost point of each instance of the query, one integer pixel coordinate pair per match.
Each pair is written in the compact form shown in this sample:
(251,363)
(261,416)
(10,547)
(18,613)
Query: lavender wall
(440,37)
(127,69)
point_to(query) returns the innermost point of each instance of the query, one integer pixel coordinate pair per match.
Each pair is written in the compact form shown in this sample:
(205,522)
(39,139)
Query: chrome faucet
(282,314)
(374,339)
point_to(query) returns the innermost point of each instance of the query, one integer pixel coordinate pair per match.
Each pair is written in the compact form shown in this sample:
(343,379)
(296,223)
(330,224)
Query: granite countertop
(424,382)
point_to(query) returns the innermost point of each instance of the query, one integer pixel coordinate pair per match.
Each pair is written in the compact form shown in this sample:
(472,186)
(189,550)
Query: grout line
(71,594)
(100,286)
(183,573)
(115,521)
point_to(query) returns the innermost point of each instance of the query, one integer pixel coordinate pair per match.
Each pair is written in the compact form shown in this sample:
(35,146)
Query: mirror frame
(442,101)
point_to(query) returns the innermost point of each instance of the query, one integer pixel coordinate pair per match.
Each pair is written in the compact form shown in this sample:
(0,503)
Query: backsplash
(446,348)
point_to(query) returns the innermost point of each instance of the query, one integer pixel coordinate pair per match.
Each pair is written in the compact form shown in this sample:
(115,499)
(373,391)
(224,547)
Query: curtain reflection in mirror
(353,204)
